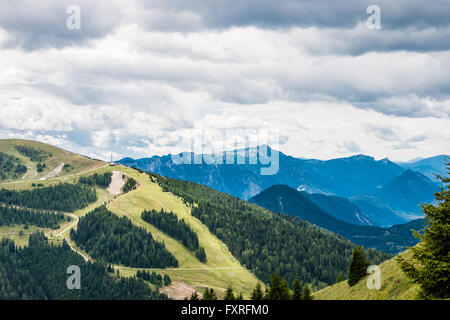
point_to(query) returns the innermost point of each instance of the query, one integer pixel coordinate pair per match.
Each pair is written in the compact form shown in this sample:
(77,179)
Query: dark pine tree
(229,294)
(194,296)
(358,266)
(340,277)
(430,266)
(279,289)
(297,289)
(209,294)
(257,293)
(307,293)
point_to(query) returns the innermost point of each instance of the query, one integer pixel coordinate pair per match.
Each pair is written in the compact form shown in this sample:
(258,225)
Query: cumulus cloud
(138,78)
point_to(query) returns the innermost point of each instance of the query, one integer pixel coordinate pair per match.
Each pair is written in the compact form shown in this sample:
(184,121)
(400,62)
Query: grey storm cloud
(406,24)
(42,24)
(321,13)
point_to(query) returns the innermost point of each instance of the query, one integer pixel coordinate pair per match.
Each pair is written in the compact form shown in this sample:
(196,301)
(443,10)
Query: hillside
(340,208)
(283,199)
(394,286)
(376,211)
(242,241)
(221,268)
(58,162)
(266,241)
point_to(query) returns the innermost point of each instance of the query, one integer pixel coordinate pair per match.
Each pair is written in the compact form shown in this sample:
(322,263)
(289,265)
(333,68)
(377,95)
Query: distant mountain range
(407,191)
(344,177)
(381,194)
(428,167)
(340,208)
(284,199)
(377,211)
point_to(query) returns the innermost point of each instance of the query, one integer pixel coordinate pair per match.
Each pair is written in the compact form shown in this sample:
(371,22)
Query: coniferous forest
(35,155)
(154,278)
(62,197)
(168,223)
(107,237)
(39,271)
(101,180)
(11,215)
(129,185)
(10,166)
(266,242)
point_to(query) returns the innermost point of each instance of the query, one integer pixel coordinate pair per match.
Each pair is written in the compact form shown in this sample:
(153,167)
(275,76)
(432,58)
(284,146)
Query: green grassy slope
(394,286)
(77,163)
(221,268)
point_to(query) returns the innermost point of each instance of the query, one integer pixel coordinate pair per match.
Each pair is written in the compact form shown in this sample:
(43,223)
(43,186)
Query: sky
(310,78)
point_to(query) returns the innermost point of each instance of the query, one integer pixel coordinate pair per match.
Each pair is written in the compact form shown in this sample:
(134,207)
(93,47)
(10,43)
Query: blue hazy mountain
(407,191)
(343,177)
(428,167)
(341,209)
(283,199)
(376,211)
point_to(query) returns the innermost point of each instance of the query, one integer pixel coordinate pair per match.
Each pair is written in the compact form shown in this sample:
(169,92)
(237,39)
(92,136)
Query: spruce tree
(307,293)
(209,294)
(297,288)
(279,289)
(430,266)
(194,296)
(257,293)
(358,266)
(229,295)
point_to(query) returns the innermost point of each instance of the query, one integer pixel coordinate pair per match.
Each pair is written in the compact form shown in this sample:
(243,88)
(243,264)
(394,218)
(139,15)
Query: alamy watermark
(374,20)
(74,280)
(73,21)
(224,147)
(374,279)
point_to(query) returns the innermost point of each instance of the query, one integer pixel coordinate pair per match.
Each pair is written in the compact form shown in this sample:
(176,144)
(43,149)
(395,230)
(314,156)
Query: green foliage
(279,289)
(229,294)
(297,288)
(257,293)
(39,271)
(430,265)
(129,185)
(154,278)
(168,223)
(63,197)
(11,167)
(265,241)
(307,293)
(166,280)
(102,180)
(40,167)
(200,254)
(12,215)
(358,266)
(194,296)
(107,237)
(340,277)
(35,155)
(209,294)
